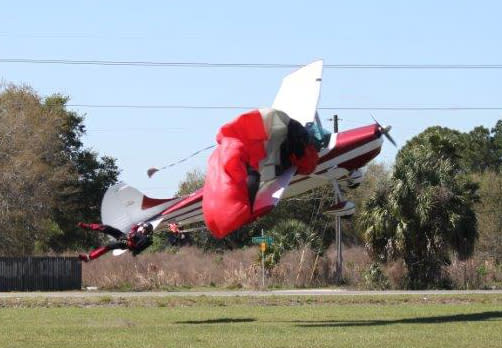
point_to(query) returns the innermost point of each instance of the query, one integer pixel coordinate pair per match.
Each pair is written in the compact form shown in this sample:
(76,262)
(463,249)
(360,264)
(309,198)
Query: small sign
(264,239)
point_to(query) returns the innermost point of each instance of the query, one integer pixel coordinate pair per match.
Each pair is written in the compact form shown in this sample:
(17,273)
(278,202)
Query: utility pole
(339,258)
(338,227)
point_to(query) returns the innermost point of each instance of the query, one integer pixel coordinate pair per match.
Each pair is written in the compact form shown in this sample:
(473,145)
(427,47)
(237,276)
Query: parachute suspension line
(315,215)
(154,170)
(323,234)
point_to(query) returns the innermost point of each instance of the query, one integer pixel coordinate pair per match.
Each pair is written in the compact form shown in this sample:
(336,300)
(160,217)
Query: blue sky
(291,32)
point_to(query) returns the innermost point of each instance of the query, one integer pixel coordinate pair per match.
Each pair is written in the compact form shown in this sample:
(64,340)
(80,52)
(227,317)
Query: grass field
(347,321)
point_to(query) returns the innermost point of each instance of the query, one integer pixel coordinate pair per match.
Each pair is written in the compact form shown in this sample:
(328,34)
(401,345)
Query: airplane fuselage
(346,152)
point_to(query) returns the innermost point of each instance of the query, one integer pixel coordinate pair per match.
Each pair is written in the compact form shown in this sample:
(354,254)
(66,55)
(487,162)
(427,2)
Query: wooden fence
(40,273)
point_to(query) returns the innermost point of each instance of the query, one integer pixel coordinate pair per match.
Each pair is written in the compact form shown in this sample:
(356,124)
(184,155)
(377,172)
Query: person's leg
(120,244)
(94,254)
(114,232)
(106,229)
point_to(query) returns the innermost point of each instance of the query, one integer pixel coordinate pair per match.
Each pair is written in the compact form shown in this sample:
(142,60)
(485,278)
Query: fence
(40,273)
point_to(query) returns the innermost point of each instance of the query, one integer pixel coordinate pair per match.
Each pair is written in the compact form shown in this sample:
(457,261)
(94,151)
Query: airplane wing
(124,206)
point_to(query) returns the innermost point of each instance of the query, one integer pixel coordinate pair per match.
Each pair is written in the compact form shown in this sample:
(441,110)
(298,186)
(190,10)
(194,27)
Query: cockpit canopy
(319,136)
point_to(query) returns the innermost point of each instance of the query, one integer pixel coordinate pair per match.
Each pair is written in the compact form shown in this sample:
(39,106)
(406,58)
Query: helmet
(145,229)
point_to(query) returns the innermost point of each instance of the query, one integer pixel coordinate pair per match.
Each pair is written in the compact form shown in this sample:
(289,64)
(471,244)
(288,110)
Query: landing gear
(341,207)
(355,179)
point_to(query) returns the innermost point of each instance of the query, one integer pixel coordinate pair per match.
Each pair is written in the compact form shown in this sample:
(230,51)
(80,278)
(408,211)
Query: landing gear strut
(341,207)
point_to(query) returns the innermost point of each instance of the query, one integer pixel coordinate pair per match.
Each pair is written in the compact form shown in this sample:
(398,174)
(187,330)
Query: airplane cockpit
(319,136)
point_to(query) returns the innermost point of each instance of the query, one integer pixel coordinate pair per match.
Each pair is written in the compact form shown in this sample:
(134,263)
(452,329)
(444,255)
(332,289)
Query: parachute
(241,144)
(260,144)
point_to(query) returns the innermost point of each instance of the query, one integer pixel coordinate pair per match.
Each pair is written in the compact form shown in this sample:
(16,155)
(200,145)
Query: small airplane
(340,159)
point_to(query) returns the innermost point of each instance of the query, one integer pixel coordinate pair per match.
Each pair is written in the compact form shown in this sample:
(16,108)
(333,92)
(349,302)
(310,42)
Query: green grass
(352,321)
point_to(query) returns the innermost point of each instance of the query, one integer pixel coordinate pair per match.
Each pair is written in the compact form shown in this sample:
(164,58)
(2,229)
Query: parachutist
(138,239)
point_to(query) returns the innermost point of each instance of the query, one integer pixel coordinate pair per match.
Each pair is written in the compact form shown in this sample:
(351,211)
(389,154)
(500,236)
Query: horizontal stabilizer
(124,206)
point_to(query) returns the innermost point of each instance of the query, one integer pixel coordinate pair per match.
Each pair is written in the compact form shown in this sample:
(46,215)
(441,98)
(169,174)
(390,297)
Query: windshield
(319,135)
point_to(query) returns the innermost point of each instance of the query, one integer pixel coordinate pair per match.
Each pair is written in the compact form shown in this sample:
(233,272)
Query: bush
(375,279)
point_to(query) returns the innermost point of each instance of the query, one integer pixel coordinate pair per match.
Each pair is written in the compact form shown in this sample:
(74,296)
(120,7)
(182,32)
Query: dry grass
(190,267)
(193,268)
(476,273)
(304,268)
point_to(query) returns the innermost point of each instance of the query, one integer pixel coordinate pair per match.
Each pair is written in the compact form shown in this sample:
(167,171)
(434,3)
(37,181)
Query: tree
(193,181)
(80,198)
(488,214)
(290,234)
(479,152)
(29,150)
(424,211)
(374,175)
(48,180)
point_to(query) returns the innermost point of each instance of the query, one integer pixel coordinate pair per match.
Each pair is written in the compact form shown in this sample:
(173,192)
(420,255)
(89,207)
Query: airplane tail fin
(124,206)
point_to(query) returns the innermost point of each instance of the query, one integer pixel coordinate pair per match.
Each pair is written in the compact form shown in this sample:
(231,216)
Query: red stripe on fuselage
(360,161)
(175,216)
(153,202)
(352,139)
(353,163)
(189,200)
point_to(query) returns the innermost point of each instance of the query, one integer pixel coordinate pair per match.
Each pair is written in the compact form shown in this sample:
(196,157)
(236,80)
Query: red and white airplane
(341,157)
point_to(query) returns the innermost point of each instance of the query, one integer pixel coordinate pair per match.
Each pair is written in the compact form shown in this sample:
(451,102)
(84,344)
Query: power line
(74,36)
(129,106)
(242,107)
(135,129)
(417,108)
(245,65)
(148,63)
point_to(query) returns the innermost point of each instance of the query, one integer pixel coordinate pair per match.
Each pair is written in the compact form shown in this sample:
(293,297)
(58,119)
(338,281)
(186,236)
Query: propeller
(384,130)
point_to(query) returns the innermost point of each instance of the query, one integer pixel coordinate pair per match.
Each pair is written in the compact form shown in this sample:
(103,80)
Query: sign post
(263,241)
(263,246)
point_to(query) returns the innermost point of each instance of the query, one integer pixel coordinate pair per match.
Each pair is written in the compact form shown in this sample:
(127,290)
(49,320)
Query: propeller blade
(389,138)
(374,119)
(385,130)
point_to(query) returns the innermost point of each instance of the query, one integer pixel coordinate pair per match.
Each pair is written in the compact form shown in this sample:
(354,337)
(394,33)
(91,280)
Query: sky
(257,32)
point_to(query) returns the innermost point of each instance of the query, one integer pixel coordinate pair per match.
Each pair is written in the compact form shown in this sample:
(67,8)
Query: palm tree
(424,211)
(290,234)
